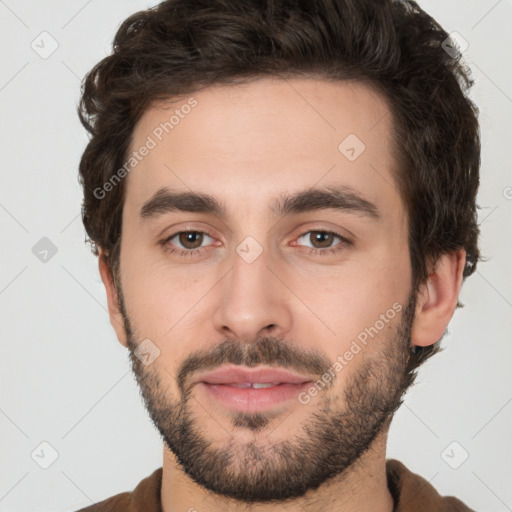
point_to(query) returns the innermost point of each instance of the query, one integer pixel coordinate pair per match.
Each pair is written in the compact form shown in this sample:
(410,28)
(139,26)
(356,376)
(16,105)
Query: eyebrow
(340,198)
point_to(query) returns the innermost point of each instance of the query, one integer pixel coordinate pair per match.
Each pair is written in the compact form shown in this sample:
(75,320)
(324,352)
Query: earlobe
(437,299)
(114,310)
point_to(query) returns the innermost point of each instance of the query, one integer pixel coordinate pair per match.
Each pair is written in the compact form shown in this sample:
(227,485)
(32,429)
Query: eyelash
(197,252)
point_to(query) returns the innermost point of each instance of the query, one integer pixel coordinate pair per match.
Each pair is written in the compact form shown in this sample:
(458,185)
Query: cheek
(156,294)
(357,296)
(172,310)
(363,303)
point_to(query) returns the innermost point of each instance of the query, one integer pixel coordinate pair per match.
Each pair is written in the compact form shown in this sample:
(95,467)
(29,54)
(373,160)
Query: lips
(251,389)
(252,377)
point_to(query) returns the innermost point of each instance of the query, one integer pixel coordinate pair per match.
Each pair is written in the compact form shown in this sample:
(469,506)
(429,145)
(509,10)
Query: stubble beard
(341,428)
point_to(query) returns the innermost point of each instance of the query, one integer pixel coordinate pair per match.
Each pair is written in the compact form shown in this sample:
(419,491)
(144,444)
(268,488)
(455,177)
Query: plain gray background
(65,380)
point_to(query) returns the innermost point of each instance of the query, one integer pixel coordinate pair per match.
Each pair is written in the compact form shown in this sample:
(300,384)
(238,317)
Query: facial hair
(336,435)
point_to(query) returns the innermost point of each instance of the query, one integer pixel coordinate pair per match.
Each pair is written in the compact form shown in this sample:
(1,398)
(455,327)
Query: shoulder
(118,503)
(145,497)
(412,493)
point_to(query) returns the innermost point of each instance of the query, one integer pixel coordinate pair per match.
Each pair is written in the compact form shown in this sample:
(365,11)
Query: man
(282,198)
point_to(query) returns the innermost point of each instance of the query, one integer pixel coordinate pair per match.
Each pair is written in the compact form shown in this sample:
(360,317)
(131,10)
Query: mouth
(252,389)
(253,385)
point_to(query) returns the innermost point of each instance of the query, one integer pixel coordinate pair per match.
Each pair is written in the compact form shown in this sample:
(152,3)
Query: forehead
(246,144)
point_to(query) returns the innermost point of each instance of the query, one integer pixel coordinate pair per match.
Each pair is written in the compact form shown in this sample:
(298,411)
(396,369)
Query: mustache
(266,351)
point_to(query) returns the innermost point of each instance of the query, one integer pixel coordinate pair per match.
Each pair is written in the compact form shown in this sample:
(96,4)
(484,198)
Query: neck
(362,487)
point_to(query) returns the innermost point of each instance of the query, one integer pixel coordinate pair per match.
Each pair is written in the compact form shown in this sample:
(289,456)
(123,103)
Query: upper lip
(237,374)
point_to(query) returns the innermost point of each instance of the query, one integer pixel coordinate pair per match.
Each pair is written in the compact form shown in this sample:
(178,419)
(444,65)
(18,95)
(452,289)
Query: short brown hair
(183,46)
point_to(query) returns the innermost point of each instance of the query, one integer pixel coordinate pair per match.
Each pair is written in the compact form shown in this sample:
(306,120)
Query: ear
(114,311)
(437,299)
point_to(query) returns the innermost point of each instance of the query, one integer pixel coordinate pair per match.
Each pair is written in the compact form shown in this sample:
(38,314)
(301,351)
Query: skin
(245,145)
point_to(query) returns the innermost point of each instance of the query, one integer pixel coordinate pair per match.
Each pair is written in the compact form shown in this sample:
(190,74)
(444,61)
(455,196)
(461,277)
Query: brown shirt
(411,493)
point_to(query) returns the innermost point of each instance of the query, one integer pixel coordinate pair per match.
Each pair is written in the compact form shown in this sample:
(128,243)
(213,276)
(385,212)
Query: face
(263,231)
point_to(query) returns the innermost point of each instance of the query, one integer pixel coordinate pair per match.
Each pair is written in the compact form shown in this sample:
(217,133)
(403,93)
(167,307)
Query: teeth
(256,385)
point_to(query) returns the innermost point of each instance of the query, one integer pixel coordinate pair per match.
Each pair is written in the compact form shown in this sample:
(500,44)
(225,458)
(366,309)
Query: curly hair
(179,47)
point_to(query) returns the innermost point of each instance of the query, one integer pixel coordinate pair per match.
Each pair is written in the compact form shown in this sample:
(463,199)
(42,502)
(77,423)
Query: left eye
(190,239)
(324,239)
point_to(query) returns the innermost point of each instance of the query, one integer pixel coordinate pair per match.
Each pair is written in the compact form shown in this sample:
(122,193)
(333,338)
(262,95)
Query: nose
(252,301)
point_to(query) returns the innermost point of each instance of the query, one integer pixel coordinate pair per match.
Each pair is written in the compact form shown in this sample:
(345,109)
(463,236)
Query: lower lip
(251,399)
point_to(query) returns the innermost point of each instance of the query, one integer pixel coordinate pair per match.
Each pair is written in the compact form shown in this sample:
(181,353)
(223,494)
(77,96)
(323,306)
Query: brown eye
(322,242)
(321,239)
(191,239)
(188,243)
